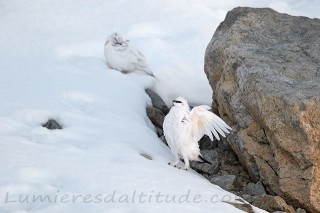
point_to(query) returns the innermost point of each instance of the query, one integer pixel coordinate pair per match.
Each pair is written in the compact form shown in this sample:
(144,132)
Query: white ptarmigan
(122,56)
(184,128)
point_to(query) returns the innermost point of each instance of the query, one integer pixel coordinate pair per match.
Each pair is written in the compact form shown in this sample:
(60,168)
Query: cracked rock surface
(264,69)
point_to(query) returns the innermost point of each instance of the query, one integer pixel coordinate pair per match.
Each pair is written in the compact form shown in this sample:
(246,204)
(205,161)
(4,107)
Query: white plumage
(184,128)
(122,56)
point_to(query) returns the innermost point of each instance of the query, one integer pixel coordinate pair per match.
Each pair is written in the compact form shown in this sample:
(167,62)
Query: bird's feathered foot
(186,169)
(172,164)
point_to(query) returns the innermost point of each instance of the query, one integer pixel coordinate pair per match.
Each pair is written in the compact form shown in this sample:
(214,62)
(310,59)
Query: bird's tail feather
(148,71)
(151,74)
(204,160)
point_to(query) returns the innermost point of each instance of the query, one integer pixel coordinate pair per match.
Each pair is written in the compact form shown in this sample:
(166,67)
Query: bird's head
(180,102)
(115,39)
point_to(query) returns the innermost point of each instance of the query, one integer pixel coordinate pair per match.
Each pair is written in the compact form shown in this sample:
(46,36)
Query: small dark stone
(255,189)
(225,181)
(146,156)
(52,124)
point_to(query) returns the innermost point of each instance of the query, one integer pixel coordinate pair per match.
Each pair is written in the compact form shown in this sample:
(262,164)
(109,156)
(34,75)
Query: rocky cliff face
(264,69)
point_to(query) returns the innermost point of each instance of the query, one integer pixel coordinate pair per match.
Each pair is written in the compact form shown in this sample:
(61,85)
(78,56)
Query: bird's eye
(177,102)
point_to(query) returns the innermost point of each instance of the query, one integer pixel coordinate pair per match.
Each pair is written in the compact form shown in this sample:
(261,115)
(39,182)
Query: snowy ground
(52,66)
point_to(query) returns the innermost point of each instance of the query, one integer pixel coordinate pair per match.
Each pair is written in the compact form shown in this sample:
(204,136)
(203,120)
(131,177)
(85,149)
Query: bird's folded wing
(136,55)
(205,122)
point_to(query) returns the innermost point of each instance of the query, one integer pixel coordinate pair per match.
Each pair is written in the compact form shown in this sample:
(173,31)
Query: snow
(52,66)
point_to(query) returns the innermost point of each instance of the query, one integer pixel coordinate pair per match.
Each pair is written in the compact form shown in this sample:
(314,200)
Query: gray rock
(157,101)
(52,124)
(272,204)
(206,144)
(206,168)
(161,135)
(248,198)
(225,181)
(255,189)
(263,67)
(300,210)
(163,139)
(156,116)
(159,131)
(242,179)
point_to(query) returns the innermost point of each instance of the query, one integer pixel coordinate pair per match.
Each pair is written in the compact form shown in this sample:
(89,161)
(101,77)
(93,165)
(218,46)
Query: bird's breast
(174,124)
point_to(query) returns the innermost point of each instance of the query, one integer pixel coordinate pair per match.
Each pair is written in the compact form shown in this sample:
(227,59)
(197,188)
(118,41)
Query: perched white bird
(184,128)
(122,56)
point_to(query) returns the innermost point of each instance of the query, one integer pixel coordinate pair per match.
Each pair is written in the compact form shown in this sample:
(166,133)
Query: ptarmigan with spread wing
(184,128)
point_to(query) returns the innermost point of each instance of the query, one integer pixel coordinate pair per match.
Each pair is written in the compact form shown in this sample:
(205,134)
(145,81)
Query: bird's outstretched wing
(205,122)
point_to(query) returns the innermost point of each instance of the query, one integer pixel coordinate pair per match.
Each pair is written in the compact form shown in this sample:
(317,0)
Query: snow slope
(52,66)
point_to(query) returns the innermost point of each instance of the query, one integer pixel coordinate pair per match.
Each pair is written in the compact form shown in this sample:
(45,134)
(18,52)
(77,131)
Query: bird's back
(125,58)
